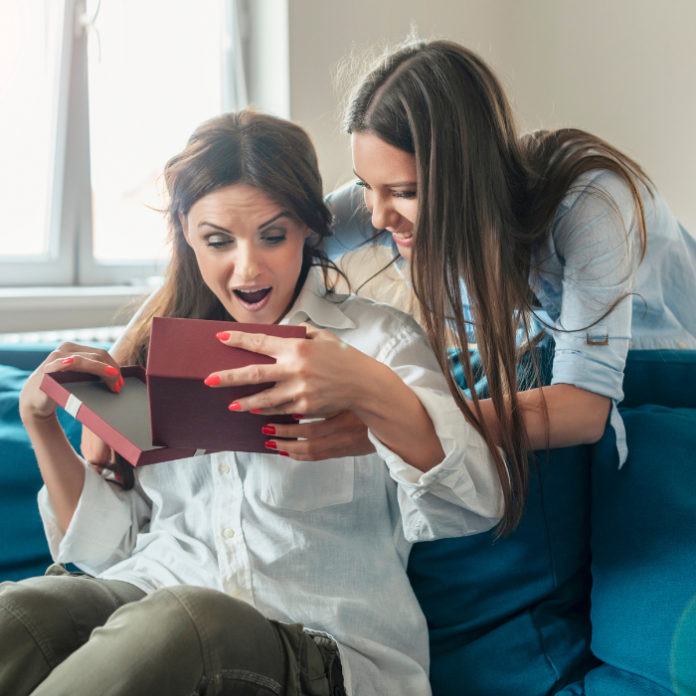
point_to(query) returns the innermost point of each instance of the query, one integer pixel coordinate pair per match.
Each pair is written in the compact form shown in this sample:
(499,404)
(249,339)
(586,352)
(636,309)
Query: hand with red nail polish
(35,405)
(271,444)
(268,430)
(234,406)
(212,381)
(223,335)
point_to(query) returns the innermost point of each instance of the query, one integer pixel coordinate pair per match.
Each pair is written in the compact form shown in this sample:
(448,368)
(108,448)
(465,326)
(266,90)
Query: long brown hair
(487,199)
(246,147)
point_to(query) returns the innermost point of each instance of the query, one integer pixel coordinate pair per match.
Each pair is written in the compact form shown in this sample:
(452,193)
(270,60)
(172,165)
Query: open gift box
(166,412)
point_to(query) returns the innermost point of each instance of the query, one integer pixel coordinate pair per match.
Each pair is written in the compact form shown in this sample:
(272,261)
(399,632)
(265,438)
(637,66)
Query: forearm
(575,416)
(61,468)
(395,415)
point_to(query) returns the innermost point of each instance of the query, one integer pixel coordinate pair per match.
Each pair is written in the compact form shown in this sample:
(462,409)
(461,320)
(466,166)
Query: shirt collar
(312,303)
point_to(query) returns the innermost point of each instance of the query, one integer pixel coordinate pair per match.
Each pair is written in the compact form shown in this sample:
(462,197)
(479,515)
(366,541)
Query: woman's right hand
(61,468)
(36,406)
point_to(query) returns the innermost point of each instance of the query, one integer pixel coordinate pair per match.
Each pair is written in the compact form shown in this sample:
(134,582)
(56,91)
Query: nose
(383,214)
(246,263)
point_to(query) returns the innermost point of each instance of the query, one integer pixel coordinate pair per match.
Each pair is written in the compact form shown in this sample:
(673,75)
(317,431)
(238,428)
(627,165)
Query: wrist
(373,386)
(35,420)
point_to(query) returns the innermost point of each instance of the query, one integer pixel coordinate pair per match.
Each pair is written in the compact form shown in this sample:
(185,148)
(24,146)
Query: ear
(307,232)
(184,227)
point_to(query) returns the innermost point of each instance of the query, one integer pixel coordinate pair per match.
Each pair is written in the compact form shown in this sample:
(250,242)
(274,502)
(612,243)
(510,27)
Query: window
(95,97)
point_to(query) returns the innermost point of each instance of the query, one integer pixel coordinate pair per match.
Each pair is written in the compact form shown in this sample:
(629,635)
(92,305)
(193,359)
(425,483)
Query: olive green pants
(68,634)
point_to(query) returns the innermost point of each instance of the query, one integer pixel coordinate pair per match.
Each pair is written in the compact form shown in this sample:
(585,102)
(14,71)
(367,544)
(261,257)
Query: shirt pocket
(305,486)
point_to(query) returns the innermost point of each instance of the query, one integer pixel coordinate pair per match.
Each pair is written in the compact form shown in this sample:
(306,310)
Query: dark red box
(169,413)
(185,412)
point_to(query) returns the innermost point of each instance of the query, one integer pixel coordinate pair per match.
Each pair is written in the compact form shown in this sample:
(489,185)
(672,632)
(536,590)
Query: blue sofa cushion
(23,547)
(644,555)
(664,377)
(512,616)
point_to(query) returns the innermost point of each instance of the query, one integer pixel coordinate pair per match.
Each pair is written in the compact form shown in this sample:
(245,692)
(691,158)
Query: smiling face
(390,179)
(249,251)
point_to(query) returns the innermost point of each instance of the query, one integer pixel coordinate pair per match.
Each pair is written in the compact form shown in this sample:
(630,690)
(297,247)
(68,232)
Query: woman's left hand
(316,375)
(335,435)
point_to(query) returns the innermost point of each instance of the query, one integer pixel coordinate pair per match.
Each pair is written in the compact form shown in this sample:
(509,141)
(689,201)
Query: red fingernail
(255,410)
(117,388)
(223,335)
(121,380)
(212,381)
(283,454)
(110,370)
(67,361)
(268,430)
(298,416)
(271,445)
(234,406)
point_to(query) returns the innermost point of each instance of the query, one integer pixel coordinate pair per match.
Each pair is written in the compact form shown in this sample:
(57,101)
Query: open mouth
(403,240)
(253,299)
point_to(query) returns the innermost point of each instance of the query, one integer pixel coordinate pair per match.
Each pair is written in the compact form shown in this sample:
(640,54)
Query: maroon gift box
(184,412)
(168,412)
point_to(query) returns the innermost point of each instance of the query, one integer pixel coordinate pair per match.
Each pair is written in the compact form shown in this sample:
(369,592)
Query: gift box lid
(121,420)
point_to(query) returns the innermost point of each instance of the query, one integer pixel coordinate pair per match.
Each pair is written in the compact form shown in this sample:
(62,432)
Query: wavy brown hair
(247,147)
(487,199)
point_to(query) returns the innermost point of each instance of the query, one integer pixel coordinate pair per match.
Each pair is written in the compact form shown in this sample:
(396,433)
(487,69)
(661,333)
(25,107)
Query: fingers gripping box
(184,412)
(167,412)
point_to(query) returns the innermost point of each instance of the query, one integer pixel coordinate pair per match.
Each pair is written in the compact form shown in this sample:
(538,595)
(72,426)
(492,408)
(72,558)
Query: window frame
(70,259)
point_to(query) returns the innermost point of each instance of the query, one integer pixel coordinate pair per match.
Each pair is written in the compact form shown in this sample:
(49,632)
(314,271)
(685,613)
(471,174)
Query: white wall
(623,69)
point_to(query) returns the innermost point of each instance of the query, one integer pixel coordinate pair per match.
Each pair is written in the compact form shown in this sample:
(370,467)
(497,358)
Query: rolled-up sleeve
(462,494)
(595,240)
(103,529)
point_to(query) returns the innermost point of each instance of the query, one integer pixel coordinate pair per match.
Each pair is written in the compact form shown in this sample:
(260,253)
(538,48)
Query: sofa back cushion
(23,547)
(511,616)
(644,555)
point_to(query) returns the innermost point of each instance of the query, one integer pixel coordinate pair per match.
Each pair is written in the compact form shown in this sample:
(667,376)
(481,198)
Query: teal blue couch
(593,595)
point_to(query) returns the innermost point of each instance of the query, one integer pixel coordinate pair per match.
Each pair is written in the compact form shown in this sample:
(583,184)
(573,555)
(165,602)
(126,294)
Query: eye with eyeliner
(275,236)
(396,194)
(218,241)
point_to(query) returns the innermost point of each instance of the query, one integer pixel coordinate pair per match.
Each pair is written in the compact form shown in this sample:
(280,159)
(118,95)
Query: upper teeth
(254,290)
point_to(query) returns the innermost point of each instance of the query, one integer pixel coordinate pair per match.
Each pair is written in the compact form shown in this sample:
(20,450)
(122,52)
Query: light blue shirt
(590,260)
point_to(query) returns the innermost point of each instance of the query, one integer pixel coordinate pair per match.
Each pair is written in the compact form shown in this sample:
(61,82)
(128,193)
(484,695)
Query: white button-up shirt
(322,543)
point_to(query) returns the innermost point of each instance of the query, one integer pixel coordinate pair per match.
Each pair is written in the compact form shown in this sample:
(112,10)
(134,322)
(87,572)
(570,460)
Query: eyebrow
(262,226)
(285,213)
(395,185)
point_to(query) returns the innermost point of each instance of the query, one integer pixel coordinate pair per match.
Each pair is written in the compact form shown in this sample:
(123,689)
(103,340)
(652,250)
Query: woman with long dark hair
(237,572)
(503,235)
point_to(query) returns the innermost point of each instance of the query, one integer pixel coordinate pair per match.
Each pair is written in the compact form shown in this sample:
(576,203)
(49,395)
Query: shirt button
(681,344)
(228,533)
(237,593)
(224,469)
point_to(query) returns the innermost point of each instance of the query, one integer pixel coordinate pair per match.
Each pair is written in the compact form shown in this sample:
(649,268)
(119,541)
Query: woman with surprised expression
(238,572)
